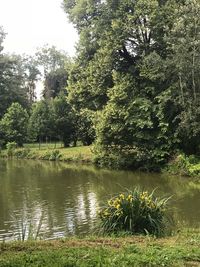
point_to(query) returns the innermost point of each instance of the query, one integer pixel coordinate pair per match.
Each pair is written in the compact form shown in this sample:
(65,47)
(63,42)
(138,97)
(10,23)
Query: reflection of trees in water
(73,193)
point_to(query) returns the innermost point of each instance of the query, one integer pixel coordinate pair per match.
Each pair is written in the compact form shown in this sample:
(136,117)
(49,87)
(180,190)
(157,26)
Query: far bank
(179,164)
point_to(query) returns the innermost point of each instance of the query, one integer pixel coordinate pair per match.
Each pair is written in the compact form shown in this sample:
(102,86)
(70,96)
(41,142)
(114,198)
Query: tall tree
(12,79)
(14,124)
(32,76)
(40,124)
(55,83)
(64,120)
(185,45)
(12,82)
(121,70)
(55,65)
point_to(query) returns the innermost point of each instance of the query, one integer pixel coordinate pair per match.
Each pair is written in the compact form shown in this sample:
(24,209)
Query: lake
(63,200)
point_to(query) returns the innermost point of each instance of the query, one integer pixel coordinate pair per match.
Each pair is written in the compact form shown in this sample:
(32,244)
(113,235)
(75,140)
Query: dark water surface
(63,200)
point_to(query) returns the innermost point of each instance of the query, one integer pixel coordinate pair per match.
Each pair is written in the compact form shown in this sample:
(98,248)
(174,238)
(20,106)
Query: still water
(62,200)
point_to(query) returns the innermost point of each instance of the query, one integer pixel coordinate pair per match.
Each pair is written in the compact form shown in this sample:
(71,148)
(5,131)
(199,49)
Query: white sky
(32,23)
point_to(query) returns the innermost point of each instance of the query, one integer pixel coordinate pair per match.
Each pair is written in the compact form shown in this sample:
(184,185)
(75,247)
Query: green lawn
(48,152)
(43,146)
(128,251)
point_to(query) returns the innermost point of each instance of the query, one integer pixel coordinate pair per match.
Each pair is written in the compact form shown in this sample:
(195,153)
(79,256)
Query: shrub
(22,153)
(184,165)
(11,146)
(55,155)
(135,212)
(194,170)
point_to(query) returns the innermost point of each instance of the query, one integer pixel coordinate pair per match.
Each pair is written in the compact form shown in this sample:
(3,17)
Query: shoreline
(179,166)
(70,154)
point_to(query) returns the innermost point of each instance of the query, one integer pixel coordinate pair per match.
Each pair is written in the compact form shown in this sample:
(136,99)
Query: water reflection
(66,198)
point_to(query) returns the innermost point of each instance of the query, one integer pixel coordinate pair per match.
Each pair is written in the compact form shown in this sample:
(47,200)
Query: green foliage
(11,146)
(50,58)
(133,88)
(135,212)
(184,165)
(137,65)
(14,124)
(51,155)
(194,170)
(133,127)
(64,119)
(12,82)
(2,137)
(22,153)
(55,155)
(185,44)
(85,126)
(55,68)
(55,83)
(32,75)
(41,121)
(52,119)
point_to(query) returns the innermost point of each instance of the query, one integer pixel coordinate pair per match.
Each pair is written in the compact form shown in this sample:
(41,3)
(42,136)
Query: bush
(11,146)
(184,165)
(128,158)
(55,155)
(22,153)
(135,212)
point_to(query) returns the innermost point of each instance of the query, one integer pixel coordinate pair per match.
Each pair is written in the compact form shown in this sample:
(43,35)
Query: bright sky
(33,23)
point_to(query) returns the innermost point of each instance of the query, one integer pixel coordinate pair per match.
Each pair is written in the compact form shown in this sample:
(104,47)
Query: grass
(44,146)
(181,250)
(48,152)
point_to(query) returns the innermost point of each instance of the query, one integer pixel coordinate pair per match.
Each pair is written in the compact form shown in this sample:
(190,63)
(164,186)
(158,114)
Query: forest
(132,91)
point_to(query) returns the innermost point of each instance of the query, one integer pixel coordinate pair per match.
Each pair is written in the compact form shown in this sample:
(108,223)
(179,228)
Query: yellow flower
(118,206)
(116,202)
(122,196)
(119,213)
(130,198)
(106,212)
(142,197)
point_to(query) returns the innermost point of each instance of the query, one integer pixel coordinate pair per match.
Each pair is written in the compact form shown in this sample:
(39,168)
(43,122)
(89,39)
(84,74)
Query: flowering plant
(135,212)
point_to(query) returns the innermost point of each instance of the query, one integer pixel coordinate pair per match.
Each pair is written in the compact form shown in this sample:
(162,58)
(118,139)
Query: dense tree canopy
(137,65)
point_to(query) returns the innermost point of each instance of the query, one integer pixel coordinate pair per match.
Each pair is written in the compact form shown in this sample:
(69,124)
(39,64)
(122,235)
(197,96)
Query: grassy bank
(179,165)
(48,152)
(181,250)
